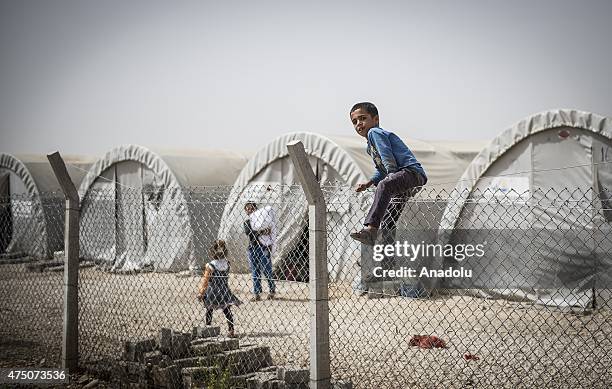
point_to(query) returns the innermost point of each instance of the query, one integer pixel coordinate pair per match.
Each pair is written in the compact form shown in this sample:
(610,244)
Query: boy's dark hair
(218,250)
(368,107)
(254,205)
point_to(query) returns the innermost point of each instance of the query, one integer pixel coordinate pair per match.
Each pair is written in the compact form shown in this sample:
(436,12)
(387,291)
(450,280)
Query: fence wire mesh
(496,331)
(144,253)
(145,301)
(31,280)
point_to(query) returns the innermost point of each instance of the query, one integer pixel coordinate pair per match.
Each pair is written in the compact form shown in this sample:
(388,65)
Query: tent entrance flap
(293,266)
(98,214)
(6,223)
(130,219)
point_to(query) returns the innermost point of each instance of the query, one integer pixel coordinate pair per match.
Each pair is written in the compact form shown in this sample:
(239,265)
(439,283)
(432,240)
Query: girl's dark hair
(218,250)
(368,107)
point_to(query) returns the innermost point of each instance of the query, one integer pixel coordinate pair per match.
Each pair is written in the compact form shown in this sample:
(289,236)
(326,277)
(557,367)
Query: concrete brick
(240,381)
(205,332)
(134,350)
(206,361)
(225,344)
(136,369)
(199,376)
(251,358)
(127,372)
(165,361)
(153,357)
(228,344)
(197,341)
(260,380)
(296,375)
(293,374)
(167,377)
(165,340)
(204,349)
(269,369)
(180,345)
(275,384)
(297,386)
(238,369)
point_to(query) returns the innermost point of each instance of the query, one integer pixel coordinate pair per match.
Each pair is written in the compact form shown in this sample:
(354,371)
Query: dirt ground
(517,344)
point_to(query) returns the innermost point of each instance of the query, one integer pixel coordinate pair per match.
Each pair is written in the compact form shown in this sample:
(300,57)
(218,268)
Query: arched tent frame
(171,187)
(475,178)
(511,137)
(317,147)
(39,246)
(182,189)
(129,153)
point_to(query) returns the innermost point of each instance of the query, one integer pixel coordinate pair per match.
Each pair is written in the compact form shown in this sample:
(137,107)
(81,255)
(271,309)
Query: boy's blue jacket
(390,154)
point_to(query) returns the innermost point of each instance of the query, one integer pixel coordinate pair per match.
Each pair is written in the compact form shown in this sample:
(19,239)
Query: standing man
(398,174)
(260,228)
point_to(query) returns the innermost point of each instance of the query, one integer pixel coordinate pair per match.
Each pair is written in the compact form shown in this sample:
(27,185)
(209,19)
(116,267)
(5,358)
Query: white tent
(32,215)
(551,172)
(142,208)
(336,160)
(464,149)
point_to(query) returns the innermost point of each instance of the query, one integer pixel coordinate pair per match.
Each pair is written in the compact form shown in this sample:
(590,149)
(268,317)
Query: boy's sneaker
(255,298)
(365,236)
(271,296)
(231,334)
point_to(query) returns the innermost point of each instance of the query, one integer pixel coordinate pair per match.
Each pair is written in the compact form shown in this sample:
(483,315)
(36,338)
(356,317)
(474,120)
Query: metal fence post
(70,335)
(320,374)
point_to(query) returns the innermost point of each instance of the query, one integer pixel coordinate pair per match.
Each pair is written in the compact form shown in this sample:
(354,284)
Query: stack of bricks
(199,359)
(195,360)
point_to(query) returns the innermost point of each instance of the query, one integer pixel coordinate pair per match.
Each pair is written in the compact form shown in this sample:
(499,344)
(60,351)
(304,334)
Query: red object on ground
(427,341)
(471,357)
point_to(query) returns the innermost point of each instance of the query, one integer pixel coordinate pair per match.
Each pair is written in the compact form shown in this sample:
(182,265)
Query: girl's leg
(230,319)
(209,313)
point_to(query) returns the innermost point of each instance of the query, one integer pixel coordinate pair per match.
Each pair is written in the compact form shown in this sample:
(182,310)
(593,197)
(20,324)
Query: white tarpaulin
(548,167)
(335,160)
(36,202)
(144,208)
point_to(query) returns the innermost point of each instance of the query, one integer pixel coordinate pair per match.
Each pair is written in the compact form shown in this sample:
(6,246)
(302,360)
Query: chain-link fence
(31,279)
(534,313)
(151,250)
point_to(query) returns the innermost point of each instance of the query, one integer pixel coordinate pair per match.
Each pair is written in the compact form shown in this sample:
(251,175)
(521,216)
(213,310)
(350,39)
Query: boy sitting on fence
(398,174)
(214,289)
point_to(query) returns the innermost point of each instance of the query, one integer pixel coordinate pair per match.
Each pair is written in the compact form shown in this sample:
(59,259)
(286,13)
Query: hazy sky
(84,76)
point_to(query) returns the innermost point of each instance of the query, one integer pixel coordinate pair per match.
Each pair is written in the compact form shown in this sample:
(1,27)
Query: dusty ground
(518,344)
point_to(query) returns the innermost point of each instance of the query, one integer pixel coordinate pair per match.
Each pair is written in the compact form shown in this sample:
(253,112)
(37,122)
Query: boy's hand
(363,186)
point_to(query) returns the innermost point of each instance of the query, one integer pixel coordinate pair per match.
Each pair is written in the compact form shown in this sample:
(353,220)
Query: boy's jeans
(259,259)
(396,185)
